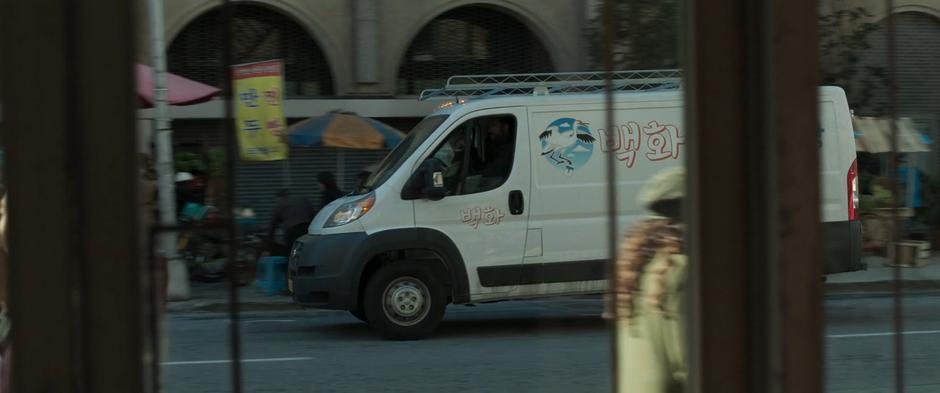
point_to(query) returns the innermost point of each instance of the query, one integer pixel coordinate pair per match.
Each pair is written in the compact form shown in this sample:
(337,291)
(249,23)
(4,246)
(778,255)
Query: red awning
(180,91)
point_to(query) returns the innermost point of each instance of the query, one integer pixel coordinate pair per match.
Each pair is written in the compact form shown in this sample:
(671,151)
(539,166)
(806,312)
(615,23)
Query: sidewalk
(214,297)
(877,279)
(880,278)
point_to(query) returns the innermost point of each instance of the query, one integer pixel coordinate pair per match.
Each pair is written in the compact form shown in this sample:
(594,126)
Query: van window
(403,151)
(478,154)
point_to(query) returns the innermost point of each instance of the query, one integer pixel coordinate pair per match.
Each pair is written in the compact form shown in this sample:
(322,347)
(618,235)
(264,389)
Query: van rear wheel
(404,301)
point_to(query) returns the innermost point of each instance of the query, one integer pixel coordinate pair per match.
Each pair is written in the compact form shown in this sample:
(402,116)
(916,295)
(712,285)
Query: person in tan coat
(4,316)
(648,302)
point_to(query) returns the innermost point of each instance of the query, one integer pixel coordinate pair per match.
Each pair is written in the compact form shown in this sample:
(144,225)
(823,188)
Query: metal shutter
(260,33)
(918,73)
(470,40)
(257,182)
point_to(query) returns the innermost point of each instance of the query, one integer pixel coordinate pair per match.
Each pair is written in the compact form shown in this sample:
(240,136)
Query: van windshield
(397,157)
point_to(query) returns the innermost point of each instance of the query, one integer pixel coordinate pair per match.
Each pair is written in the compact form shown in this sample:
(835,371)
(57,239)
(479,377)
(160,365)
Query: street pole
(896,231)
(178,276)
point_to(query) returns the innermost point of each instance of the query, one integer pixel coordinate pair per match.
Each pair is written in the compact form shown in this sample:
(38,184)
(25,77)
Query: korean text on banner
(259,113)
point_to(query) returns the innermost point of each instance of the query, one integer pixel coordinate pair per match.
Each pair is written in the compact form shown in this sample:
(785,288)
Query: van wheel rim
(406,301)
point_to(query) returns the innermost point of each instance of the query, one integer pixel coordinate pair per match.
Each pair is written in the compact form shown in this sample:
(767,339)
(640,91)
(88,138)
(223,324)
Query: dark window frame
(468,128)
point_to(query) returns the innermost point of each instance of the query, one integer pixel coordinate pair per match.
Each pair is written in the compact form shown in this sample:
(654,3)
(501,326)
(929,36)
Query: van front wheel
(404,301)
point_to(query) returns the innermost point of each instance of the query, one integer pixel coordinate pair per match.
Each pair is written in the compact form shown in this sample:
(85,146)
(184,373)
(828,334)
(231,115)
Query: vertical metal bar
(896,189)
(753,196)
(156,302)
(163,132)
(166,241)
(75,190)
(78,318)
(717,187)
(34,171)
(795,245)
(231,156)
(612,238)
(693,341)
(760,174)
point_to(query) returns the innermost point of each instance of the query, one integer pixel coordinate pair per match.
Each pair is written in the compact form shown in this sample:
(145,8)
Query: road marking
(271,320)
(230,361)
(909,333)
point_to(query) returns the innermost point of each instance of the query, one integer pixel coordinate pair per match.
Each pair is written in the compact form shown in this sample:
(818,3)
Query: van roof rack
(481,86)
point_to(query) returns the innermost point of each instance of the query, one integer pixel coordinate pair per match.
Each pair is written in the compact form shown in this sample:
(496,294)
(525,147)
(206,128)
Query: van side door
(486,176)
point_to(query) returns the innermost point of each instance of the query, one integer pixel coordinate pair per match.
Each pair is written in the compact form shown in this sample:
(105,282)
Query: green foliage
(866,203)
(883,197)
(216,162)
(843,36)
(189,162)
(646,35)
(212,163)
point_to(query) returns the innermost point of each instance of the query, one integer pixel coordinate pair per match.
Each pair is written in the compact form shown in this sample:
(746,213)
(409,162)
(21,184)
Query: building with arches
(917,29)
(371,57)
(379,48)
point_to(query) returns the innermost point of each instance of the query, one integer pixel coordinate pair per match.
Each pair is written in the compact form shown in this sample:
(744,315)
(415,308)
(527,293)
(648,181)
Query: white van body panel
(838,153)
(483,229)
(567,213)
(570,210)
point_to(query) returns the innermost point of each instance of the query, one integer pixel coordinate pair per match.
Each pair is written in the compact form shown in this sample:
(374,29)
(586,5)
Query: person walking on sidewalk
(648,304)
(330,191)
(292,215)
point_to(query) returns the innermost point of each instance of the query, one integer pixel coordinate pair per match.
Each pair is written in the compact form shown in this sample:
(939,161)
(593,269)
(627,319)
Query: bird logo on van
(567,144)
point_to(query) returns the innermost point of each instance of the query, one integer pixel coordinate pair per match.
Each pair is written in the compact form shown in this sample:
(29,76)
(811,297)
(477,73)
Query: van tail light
(853,191)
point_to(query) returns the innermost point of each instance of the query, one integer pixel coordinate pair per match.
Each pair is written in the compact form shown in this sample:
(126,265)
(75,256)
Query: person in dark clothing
(185,191)
(330,191)
(292,215)
(361,178)
(500,149)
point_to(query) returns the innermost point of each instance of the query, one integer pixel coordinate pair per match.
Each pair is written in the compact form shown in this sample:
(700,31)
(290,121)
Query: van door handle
(516,202)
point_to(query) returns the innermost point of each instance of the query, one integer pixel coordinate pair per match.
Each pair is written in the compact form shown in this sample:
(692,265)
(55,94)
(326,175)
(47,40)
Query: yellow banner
(259,110)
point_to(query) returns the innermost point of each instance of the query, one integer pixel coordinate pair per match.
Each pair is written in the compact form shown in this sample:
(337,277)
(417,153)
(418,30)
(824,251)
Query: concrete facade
(878,9)
(917,53)
(347,31)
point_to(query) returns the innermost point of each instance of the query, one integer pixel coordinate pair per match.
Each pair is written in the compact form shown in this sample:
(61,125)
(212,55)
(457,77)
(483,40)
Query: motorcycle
(206,250)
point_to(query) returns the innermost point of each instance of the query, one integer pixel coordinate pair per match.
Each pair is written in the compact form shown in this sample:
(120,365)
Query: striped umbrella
(336,129)
(343,130)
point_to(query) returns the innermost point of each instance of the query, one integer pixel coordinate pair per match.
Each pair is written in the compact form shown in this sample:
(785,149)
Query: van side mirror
(427,182)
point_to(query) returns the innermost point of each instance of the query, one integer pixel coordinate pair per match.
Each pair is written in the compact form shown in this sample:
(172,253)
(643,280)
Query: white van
(502,196)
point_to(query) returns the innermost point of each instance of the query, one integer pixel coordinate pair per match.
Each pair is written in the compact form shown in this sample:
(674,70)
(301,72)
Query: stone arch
(266,31)
(920,8)
(469,19)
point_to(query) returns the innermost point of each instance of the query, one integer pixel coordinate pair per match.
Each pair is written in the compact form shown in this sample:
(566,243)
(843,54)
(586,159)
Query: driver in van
(454,166)
(499,149)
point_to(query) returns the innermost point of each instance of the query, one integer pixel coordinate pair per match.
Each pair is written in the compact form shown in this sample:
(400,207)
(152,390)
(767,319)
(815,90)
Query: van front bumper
(320,270)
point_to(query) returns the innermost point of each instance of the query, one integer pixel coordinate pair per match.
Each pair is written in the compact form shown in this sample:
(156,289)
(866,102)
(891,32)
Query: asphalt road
(558,345)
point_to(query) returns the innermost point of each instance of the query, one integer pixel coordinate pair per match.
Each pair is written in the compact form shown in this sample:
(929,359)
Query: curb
(223,306)
(881,287)
(832,290)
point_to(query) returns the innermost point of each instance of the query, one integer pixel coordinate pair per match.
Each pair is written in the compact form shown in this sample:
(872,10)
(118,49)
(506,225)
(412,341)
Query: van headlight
(351,211)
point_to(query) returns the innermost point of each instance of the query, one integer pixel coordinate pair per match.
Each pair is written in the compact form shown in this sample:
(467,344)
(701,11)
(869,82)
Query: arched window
(259,34)
(470,40)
